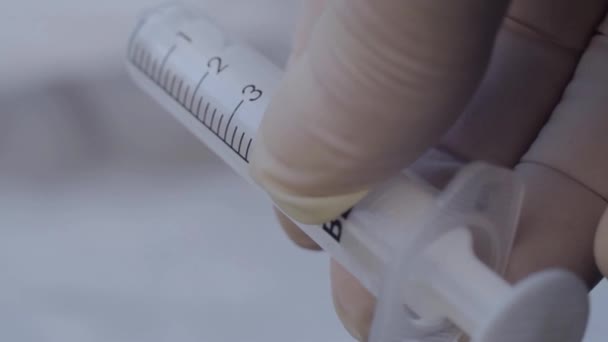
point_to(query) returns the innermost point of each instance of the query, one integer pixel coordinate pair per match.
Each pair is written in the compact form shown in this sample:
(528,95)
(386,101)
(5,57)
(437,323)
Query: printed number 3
(252,92)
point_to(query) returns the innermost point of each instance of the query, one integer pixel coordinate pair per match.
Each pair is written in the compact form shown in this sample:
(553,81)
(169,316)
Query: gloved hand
(374,86)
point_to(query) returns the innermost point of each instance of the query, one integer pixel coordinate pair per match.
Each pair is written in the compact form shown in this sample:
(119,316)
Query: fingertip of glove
(295,234)
(297,206)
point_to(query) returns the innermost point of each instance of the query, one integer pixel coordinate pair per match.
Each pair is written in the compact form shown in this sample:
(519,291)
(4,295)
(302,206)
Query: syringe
(432,259)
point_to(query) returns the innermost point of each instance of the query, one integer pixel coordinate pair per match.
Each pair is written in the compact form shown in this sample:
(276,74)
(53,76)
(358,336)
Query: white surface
(153,253)
(116,224)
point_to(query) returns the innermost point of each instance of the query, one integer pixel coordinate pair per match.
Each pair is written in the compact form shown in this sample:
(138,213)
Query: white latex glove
(375,86)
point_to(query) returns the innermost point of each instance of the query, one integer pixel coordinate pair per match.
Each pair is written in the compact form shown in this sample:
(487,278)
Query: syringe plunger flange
(447,283)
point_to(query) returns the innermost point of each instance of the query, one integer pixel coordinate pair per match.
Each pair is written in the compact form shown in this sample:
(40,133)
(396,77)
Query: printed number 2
(253,92)
(217,64)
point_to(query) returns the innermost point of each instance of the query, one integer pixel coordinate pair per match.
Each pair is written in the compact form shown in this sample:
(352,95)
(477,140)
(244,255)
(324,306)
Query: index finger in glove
(379,82)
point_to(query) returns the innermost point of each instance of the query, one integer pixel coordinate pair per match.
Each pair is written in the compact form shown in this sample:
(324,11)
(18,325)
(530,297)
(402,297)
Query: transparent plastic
(433,259)
(486,201)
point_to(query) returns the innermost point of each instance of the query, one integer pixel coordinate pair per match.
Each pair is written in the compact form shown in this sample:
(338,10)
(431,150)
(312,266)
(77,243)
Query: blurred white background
(115,223)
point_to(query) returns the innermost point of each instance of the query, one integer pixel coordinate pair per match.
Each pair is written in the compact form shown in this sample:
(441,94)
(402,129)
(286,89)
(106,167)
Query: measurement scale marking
(213,118)
(205,115)
(179,90)
(231,117)
(236,127)
(219,125)
(171,87)
(142,57)
(198,107)
(199,85)
(247,151)
(166,80)
(135,33)
(148,61)
(241,142)
(161,86)
(164,62)
(186,95)
(152,65)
